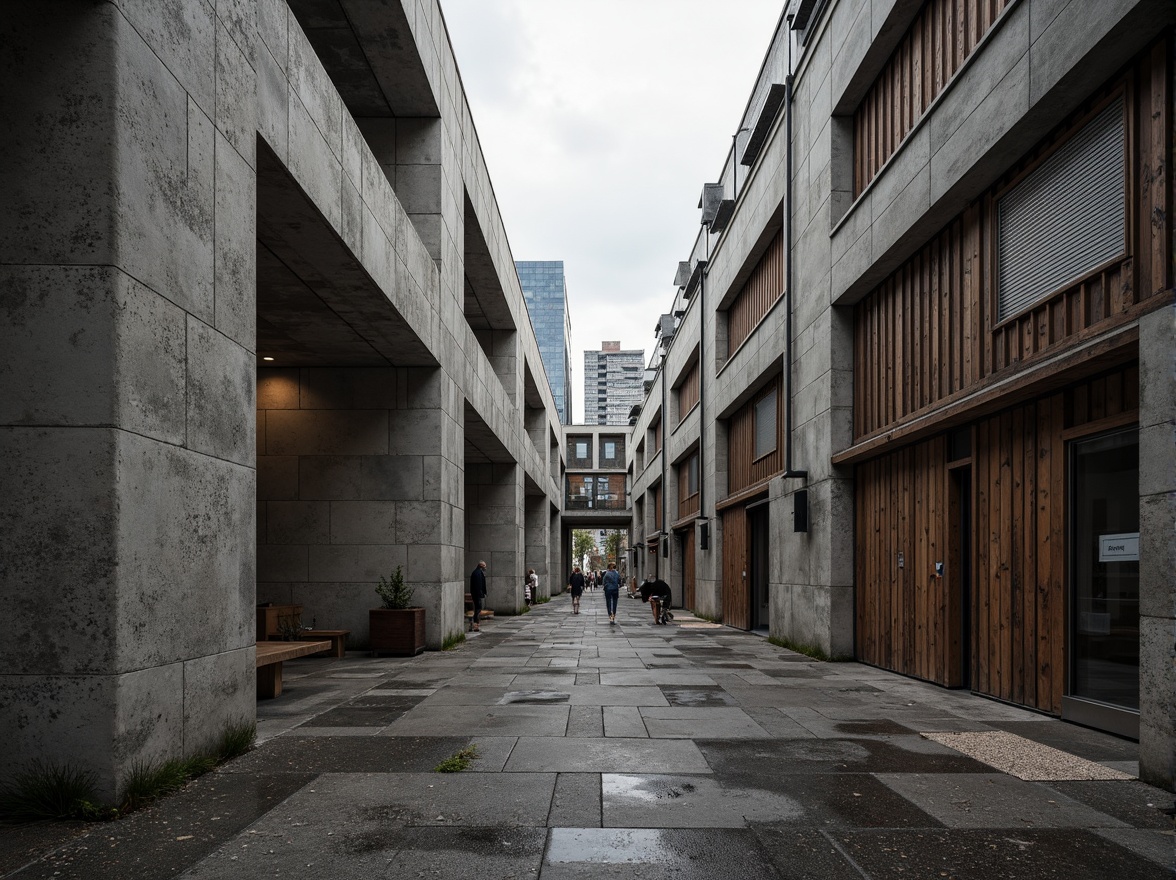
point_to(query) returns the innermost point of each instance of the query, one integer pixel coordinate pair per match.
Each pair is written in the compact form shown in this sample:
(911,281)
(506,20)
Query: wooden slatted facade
(744,469)
(656,500)
(929,335)
(758,295)
(933,50)
(688,501)
(686,393)
(736,599)
(908,619)
(686,599)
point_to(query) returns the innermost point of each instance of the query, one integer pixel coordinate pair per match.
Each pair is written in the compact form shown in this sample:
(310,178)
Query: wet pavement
(685,751)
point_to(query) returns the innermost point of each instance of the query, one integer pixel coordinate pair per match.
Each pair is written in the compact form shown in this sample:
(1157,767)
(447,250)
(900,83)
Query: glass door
(1104,570)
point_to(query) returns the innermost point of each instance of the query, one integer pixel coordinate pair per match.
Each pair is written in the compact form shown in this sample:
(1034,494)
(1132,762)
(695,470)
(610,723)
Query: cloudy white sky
(600,121)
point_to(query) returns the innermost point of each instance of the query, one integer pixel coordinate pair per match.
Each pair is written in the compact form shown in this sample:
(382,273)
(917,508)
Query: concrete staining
(739,759)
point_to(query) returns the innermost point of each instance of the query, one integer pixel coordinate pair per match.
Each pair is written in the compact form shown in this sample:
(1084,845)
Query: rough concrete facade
(190,187)
(1041,61)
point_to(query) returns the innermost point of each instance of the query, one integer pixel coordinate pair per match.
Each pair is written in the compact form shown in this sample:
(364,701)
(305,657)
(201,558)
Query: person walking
(478,593)
(532,587)
(612,591)
(576,586)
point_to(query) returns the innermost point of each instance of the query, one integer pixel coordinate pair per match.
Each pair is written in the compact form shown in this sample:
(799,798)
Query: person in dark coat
(655,591)
(478,593)
(576,586)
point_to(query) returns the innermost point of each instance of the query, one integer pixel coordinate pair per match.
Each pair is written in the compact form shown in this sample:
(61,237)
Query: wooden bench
(337,638)
(269,663)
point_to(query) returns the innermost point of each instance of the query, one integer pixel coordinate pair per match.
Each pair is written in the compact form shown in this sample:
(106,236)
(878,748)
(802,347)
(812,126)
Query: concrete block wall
(495,532)
(352,483)
(129,412)
(127,379)
(1157,544)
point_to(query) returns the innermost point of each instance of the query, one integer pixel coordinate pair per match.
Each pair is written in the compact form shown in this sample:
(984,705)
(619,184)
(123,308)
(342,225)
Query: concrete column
(1157,544)
(356,477)
(126,419)
(495,533)
(537,541)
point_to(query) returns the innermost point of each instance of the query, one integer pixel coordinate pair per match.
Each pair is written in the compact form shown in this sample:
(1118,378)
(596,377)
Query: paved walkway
(688,751)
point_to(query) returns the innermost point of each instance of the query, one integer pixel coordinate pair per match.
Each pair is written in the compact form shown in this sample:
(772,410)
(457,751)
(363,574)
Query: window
(610,449)
(692,475)
(765,425)
(1065,219)
(581,449)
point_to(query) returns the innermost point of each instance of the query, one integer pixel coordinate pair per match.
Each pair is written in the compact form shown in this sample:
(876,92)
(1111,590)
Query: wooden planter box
(397,631)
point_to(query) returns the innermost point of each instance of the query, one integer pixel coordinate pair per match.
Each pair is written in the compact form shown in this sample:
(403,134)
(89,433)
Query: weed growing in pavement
(808,650)
(459,761)
(47,791)
(452,641)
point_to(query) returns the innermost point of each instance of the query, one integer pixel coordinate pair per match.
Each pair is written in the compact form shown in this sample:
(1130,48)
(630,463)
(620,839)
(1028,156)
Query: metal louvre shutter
(1066,218)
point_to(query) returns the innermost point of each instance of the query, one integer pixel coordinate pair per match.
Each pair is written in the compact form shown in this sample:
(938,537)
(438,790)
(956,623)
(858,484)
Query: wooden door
(735,608)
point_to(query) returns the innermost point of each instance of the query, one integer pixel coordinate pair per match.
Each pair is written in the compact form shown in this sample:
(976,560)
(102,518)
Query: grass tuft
(452,641)
(458,762)
(236,740)
(47,791)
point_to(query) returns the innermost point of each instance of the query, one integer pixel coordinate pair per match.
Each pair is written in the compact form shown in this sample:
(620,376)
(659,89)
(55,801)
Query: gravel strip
(1024,758)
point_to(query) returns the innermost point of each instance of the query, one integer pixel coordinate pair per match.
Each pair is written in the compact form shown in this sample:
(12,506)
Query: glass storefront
(1104,615)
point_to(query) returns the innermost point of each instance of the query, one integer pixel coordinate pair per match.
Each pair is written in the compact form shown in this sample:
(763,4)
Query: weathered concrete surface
(341,784)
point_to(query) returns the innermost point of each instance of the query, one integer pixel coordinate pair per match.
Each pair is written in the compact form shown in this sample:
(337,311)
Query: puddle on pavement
(609,846)
(644,788)
(533,697)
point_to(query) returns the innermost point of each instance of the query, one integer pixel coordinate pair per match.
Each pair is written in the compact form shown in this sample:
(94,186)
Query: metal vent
(1066,218)
(712,196)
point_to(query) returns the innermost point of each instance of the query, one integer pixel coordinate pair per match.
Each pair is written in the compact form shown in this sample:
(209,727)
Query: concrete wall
(355,479)
(130,401)
(1157,544)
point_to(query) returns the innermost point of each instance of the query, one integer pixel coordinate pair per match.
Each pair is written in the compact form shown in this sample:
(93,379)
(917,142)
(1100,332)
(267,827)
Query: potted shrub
(397,627)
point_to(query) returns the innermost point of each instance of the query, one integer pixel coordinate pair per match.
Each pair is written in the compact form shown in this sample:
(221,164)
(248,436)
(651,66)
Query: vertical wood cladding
(758,295)
(935,47)
(687,598)
(687,391)
(905,617)
(929,332)
(688,502)
(656,492)
(743,468)
(736,605)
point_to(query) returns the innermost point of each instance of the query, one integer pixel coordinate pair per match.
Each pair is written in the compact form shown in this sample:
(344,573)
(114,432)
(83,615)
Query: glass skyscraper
(546,292)
(613,383)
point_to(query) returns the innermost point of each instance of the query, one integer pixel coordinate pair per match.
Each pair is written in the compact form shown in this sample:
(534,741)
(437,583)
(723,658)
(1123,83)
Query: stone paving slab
(756,760)
(993,800)
(591,755)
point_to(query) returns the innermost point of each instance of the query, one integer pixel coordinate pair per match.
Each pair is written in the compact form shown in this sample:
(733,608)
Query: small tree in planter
(397,627)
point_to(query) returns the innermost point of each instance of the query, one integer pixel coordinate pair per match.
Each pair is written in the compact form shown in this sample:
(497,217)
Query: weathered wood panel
(905,617)
(736,607)
(743,468)
(929,335)
(688,502)
(933,49)
(686,393)
(688,569)
(757,296)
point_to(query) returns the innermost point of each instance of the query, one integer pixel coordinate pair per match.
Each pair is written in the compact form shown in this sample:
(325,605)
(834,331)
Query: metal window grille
(1066,218)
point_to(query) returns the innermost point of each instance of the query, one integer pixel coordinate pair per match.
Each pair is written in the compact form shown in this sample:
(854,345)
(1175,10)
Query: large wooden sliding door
(687,597)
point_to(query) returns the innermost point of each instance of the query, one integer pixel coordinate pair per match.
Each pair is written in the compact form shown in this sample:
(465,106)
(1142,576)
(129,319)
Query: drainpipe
(663,532)
(789,467)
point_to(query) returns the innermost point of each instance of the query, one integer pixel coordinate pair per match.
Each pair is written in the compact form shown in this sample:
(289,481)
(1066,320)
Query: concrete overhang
(370,52)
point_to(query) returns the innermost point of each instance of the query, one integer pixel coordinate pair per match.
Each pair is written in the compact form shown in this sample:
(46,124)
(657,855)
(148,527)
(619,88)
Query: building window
(692,475)
(581,449)
(610,449)
(765,425)
(1065,219)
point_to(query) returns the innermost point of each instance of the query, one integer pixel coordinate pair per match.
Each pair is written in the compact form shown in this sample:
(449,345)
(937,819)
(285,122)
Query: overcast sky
(600,121)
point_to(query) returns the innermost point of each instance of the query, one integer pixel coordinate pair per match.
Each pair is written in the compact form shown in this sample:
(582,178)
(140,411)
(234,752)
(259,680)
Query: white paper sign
(1119,548)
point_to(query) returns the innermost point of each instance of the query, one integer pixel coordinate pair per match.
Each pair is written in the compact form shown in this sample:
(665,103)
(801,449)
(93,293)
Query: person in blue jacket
(612,591)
